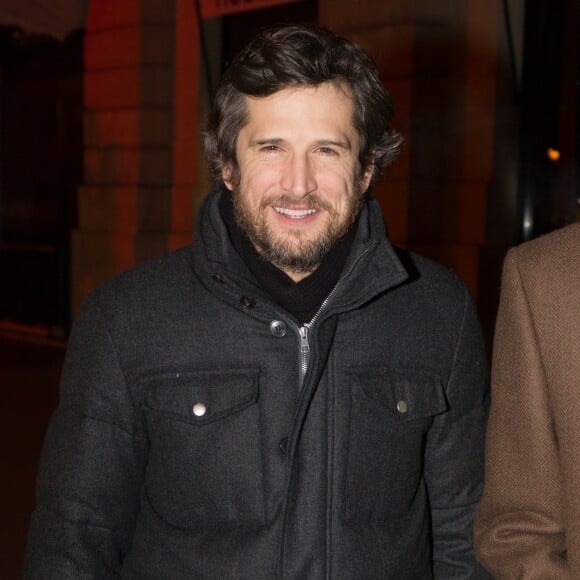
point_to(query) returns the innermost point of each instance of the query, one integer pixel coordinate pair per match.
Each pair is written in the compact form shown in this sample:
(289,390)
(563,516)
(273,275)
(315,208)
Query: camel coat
(528,523)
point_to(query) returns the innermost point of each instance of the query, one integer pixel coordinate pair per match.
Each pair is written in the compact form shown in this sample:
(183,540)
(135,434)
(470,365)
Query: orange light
(553,154)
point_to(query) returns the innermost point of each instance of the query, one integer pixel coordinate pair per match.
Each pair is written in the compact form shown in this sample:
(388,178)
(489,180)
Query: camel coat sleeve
(526,523)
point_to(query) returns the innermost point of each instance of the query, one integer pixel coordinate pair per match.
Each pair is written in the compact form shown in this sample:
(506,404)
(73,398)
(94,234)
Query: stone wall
(141,136)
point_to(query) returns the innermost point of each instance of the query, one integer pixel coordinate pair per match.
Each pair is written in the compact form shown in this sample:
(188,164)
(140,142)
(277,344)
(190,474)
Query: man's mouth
(295,214)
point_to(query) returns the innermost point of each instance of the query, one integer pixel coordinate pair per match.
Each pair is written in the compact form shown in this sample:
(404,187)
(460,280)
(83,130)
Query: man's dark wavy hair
(299,56)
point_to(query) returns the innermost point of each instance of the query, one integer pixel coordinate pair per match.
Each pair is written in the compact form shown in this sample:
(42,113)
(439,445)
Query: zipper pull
(304,344)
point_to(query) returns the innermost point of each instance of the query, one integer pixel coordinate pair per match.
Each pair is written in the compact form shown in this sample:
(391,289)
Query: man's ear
(227,175)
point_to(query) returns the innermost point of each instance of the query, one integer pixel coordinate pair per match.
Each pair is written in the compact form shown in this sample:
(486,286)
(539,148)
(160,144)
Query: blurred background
(101,165)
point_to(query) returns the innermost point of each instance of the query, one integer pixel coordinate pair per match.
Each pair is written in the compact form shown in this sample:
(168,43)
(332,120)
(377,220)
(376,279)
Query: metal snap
(402,407)
(284,446)
(248,301)
(278,328)
(199,409)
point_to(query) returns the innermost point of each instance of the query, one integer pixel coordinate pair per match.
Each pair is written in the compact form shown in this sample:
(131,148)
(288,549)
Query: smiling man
(299,185)
(290,397)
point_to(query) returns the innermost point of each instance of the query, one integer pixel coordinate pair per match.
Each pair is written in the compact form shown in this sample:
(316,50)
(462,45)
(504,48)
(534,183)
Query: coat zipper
(304,356)
(304,330)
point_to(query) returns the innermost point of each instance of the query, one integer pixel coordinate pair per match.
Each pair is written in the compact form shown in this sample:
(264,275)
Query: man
(289,397)
(528,523)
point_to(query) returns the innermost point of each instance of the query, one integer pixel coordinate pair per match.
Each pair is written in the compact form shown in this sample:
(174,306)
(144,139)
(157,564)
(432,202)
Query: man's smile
(294,213)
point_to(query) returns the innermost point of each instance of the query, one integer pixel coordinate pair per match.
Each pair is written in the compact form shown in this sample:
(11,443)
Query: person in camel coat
(528,522)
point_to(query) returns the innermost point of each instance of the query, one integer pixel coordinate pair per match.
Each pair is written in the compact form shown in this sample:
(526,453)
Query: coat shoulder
(550,263)
(555,249)
(430,276)
(148,283)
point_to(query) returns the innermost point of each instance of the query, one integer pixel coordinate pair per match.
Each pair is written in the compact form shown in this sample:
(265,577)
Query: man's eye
(269,148)
(327,151)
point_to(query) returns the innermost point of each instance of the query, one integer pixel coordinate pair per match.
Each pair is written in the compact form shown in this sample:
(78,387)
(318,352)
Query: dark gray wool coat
(187,444)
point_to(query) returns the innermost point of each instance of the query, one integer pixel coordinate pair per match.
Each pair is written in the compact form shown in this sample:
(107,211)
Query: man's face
(300,185)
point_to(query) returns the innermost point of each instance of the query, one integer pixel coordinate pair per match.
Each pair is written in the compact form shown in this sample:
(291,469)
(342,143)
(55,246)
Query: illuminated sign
(211,8)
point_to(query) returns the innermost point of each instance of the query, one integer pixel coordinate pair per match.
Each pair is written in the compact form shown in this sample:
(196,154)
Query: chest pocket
(205,461)
(391,412)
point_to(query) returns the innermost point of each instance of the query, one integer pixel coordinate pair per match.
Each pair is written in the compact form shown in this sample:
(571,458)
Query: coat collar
(371,268)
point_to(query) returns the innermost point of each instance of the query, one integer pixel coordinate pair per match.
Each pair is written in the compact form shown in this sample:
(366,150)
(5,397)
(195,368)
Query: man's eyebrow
(340,143)
(267,141)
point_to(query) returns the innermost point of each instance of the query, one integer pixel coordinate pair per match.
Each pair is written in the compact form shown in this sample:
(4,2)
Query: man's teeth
(294,213)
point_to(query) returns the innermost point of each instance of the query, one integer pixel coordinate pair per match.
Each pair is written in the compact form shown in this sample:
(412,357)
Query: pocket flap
(405,393)
(200,397)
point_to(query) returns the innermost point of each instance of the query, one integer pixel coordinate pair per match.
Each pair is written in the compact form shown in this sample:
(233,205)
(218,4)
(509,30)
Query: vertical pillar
(140,158)
(186,134)
(385,30)
(438,61)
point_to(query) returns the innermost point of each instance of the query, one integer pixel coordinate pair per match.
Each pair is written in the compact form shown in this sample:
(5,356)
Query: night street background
(29,375)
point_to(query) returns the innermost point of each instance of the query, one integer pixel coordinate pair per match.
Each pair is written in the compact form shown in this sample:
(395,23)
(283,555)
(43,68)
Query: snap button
(284,446)
(248,301)
(199,409)
(218,278)
(402,407)
(278,328)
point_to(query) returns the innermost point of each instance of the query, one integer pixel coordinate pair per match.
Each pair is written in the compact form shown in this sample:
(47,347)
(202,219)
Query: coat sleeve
(454,455)
(91,466)
(519,531)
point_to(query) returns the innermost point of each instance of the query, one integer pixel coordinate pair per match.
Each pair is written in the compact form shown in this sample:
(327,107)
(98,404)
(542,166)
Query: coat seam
(530,318)
(330,465)
(459,337)
(116,353)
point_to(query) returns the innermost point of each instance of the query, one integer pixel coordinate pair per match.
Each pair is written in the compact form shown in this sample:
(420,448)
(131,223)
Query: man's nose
(298,176)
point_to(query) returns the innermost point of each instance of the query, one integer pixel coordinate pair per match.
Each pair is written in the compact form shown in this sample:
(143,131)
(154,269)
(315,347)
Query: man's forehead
(327,104)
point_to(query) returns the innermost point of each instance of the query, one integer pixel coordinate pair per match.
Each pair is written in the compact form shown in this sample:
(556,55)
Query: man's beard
(293,251)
